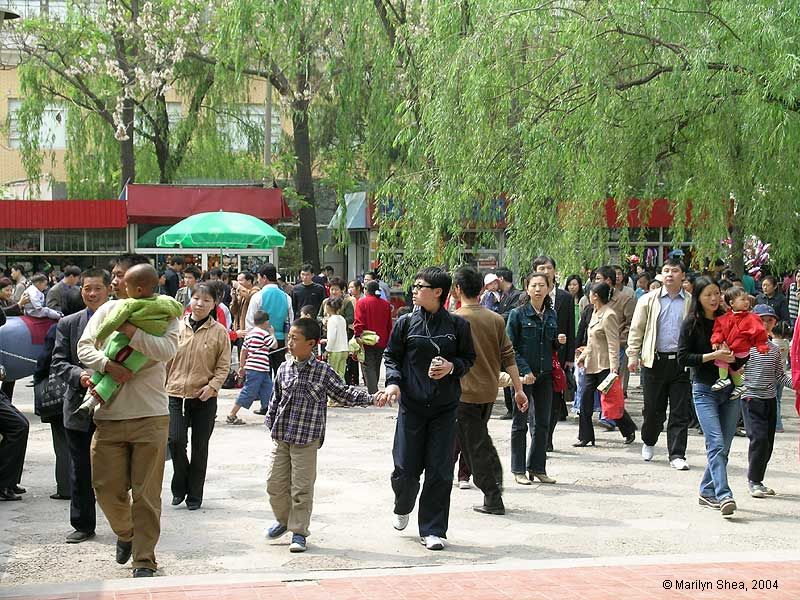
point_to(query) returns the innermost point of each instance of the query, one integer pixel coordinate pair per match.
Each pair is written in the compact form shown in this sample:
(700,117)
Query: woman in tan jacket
(194,377)
(599,358)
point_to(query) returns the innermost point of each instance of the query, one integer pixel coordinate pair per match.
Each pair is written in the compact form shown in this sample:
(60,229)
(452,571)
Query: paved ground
(608,507)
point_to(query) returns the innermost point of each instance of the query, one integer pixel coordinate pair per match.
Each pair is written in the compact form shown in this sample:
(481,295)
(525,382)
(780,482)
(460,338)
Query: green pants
(338,362)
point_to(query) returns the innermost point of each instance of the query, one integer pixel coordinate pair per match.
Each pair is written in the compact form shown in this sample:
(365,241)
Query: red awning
(158,204)
(62,214)
(661,214)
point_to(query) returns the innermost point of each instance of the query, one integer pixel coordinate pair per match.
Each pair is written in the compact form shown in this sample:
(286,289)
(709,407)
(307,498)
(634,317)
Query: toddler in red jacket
(738,329)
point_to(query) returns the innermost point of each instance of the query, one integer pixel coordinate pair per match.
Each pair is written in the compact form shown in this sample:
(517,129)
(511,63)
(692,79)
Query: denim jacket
(534,338)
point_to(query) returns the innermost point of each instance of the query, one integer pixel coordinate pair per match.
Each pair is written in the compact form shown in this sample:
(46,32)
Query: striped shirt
(297,409)
(793,301)
(763,372)
(258,343)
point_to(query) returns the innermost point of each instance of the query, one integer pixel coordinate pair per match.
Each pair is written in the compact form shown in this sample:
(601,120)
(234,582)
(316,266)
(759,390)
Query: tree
(562,105)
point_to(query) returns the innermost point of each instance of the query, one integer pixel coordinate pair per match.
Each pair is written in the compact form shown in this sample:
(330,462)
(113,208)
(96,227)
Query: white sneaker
(400,522)
(679,464)
(464,485)
(432,542)
(647,452)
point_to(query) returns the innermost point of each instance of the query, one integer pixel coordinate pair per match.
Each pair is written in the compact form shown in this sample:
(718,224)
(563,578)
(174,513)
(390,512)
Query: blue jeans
(580,378)
(779,393)
(718,415)
(536,420)
(257,384)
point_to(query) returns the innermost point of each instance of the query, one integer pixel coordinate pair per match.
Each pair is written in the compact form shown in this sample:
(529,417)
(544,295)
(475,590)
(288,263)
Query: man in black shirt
(307,292)
(173,280)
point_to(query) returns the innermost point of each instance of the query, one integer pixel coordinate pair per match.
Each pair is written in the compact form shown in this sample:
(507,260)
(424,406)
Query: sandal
(233,420)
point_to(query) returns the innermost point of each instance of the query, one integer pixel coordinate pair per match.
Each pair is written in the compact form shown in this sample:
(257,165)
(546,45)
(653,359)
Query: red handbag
(613,401)
(559,377)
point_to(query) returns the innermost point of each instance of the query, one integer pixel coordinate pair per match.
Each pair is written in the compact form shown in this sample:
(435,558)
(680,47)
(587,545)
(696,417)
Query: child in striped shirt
(254,361)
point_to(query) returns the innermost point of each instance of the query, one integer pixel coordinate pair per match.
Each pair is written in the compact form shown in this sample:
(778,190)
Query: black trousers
(478,449)
(423,441)
(14,426)
(189,477)
(82,511)
(666,384)
(625,424)
(61,449)
(557,413)
(372,367)
(277,357)
(760,417)
(7,387)
(508,398)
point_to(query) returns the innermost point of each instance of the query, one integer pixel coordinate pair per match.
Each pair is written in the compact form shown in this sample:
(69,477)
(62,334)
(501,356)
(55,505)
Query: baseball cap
(765,310)
(489,278)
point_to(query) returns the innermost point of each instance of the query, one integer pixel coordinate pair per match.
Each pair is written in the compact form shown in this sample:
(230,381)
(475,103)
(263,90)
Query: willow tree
(561,105)
(113,64)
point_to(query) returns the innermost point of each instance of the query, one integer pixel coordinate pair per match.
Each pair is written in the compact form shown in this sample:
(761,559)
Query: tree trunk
(304,184)
(126,147)
(737,247)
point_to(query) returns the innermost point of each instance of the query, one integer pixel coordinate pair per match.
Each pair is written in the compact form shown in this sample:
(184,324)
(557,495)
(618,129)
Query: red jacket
(795,356)
(741,331)
(373,314)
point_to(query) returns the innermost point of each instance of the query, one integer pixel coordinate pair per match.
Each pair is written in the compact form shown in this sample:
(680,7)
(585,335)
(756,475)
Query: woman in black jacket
(716,411)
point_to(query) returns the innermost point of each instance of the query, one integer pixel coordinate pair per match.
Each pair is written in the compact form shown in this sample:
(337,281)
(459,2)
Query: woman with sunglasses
(428,352)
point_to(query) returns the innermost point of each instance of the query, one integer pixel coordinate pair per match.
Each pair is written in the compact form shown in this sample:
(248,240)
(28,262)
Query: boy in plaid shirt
(296,418)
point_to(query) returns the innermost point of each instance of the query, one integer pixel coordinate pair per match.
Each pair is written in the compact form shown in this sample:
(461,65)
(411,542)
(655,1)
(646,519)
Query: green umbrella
(224,230)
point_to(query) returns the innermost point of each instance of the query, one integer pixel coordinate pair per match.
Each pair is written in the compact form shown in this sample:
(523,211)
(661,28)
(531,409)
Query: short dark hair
(724,285)
(770,278)
(97,272)
(216,271)
(357,284)
(469,280)
(72,270)
(373,274)
(674,262)
(603,291)
(207,288)
(336,304)
(18,267)
(436,278)
(734,292)
(219,289)
(176,260)
(194,271)
(338,282)
(5,282)
(329,268)
(247,275)
(543,259)
(307,309)
(309,328)
(307,268)
(269,272)
(505,274)
(39,278)
(373,288)
(129,260)
(608,272)
(260,317)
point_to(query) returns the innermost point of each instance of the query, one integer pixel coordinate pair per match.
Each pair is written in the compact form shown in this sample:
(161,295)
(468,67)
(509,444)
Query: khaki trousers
(291,474)
(128,455)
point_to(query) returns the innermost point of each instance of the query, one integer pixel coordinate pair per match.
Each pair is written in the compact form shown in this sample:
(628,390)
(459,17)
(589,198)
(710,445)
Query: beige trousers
(291,474)
(127,474)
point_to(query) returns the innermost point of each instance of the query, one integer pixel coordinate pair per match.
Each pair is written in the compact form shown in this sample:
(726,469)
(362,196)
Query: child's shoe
(88,405)
(721,384)
(737,392)
(298,543)
(276,530)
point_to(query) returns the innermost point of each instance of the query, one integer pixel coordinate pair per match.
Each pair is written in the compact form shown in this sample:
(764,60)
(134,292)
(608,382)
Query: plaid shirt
(297,409)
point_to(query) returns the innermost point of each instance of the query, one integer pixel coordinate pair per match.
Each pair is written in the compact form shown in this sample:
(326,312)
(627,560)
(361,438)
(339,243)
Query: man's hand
(85,379)
(441,371)
(521,398)
(379,399)
(633,365)
(206,392)
(529,379)
(392,394)
(128,329)
(118,372)
(24,299)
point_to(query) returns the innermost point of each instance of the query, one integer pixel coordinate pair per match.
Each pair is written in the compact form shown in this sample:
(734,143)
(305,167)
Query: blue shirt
(670,319)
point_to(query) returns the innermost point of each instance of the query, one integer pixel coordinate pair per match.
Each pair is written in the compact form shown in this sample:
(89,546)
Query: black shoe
(58,496)
(630,439)
(124,550)
(550,448)
(583,444)
(193,505)
(143,572)
(18,489)
(76,537)
(507,416)
(7,494)
(489,510)
(176,500)
(260,411)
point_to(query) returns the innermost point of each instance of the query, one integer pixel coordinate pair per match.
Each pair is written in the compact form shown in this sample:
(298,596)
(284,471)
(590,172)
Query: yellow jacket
(203,358)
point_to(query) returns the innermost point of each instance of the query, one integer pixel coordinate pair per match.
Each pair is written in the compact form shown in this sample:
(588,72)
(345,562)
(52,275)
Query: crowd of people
(135,360)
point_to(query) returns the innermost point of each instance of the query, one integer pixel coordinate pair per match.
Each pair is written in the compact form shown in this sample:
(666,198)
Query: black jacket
(68,367)
(565,311)
(508,302)
(695,341)
(778,303)
(413,344)
(304,295)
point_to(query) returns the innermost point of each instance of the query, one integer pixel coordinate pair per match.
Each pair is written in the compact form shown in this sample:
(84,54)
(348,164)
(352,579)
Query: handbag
(613,401)
(49,395)
(559,377)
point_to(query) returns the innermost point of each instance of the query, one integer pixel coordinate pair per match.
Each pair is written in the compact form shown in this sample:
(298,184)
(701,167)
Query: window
(21,240)
(52,133)
(105,240)
(245,128)
(64,241)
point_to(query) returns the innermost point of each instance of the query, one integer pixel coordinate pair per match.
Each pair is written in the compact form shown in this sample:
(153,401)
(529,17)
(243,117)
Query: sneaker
(721,384)
(679,464)
(233,420)
(737,392)
(727,507)
(708,502)
(298,543)
(275,530)
(606,425)
(400,522)
(756,491)
(432,542)
(768,490)
(463,485)
(647,452)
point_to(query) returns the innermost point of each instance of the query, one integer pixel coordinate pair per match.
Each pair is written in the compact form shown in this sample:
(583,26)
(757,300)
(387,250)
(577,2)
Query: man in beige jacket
(129,443)
(653,340)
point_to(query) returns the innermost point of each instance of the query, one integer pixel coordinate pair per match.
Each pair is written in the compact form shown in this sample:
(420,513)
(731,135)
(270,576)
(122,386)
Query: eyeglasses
(419,286)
